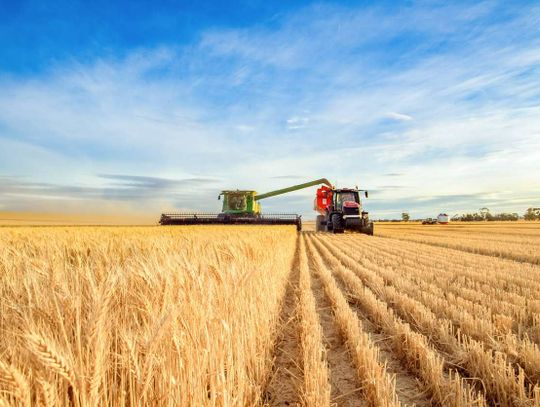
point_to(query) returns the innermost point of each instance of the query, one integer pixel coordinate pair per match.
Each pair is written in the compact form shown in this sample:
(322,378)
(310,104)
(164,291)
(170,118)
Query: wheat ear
(50,358)
(15,381)
(48,393)
(99,341)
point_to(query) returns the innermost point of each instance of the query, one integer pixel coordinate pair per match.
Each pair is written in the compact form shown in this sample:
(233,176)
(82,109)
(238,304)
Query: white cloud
(400,117)
(296,122)
(245,128)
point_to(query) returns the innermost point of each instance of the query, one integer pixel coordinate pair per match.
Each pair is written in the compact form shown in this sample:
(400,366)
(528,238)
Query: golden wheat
(521,349)
(15,383)
(143,315)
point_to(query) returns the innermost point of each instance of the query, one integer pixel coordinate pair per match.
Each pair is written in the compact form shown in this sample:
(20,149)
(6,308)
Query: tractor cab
(348,201)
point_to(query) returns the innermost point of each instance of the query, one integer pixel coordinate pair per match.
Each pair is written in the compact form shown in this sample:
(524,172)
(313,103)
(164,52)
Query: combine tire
(337,223)
(319,227)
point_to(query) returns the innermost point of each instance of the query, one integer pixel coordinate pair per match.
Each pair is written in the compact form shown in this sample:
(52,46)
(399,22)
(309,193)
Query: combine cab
(340,210)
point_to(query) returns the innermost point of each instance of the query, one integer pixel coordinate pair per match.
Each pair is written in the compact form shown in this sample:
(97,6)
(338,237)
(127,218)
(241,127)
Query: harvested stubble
(513,240)
(377,386)
(446,389)
(316,390)
(504,383)
(487,329)
(503,288)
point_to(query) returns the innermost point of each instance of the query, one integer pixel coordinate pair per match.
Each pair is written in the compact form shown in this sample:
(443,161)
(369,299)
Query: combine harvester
(339,209)
(242,207)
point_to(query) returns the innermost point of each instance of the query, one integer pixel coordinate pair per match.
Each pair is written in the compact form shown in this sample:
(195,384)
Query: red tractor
(340,210)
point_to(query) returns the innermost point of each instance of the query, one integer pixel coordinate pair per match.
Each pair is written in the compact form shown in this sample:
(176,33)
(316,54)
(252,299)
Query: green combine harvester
(242,207)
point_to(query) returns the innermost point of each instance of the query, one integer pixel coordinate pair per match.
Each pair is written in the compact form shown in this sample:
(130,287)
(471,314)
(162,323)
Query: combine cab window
(237,202)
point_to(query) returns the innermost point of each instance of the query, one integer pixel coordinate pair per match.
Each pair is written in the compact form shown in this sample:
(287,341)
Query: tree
(485,213)
(505,216)
(405,216)
(532,214)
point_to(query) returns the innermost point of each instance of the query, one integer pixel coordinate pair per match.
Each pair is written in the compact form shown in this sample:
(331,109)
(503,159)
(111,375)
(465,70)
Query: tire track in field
(287,375)
(344,382)
(408,385)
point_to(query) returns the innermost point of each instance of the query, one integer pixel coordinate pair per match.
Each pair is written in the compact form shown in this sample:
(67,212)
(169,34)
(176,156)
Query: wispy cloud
(288,177)
(134,192)
(296,122)
(140,181)
(400,117)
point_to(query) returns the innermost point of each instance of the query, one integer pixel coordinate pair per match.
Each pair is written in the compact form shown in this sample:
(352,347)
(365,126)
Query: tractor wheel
(337,223)
(328,227)
(319,227)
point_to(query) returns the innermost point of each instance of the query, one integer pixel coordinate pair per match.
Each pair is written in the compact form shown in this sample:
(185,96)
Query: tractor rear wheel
(337,223)
(318,223)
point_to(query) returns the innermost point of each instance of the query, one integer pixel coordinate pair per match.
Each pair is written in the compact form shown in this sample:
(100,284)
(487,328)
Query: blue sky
(147,106)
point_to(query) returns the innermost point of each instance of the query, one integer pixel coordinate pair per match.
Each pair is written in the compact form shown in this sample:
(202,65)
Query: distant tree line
(486,215)
(477,217)
(483,215)
(532,214)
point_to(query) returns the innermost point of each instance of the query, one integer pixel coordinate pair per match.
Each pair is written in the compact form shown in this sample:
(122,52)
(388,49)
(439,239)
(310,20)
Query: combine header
(242,207)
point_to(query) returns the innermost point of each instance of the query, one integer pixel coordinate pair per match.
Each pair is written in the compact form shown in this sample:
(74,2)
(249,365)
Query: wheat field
(264,316)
